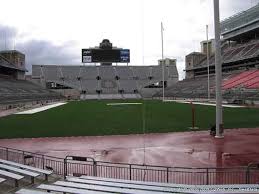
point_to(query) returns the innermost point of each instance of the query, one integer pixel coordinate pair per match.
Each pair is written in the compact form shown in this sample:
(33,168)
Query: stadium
(109,126)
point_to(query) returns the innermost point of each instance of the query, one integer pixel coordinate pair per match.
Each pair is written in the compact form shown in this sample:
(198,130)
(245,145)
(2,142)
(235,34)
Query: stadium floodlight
(218,70)
(208,61)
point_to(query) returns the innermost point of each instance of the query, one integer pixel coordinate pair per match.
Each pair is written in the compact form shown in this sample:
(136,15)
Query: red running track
(189,149)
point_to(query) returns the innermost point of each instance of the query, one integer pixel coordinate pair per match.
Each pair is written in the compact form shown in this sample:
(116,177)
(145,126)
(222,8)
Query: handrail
(88,165)
(124,163)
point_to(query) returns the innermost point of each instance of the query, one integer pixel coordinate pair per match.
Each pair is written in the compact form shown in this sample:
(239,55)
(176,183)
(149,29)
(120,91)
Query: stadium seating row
(16,171)
(12,91)
(247,79)
(109,96)
(92,184)
(54,72)
(237,52)
(89,185)
(104,79)
(242,86)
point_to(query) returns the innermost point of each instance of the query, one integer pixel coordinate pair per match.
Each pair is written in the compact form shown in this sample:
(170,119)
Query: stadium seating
(87,72)
(237,52)
(128,85)
(189,88)
(110,96)
(90,185)
(107,72)
(141,73)
(15,171)
(109,86)
(83,184)
(69,72)
(239,85)
(90,86)
(246,79)
(15,91)
(51,73)
(92,80)
(124,72)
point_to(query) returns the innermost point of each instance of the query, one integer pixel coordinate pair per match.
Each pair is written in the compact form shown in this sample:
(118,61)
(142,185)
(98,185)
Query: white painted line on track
(126,103)
(40,109)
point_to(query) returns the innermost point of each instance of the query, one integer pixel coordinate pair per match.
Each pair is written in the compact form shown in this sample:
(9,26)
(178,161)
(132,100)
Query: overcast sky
(55,31)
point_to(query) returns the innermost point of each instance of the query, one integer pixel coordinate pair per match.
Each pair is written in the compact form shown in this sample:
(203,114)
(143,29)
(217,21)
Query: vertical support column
(130,172)
(167,174)
(23,157)
(218,69)
(94,168)
(7,152)
(207,176)
(43,162)
(65,168)
(247,175)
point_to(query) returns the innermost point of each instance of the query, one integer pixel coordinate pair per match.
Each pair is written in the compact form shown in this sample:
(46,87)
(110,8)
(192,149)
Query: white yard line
(40,109)
(126,103)
(204,103)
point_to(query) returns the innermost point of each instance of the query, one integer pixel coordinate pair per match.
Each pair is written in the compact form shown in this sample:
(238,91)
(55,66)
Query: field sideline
(84,118)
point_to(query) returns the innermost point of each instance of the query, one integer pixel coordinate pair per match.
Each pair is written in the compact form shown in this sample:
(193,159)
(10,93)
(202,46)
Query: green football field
(83,118)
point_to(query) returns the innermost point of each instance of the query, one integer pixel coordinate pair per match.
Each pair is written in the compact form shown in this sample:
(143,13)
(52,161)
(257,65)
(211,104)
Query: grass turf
(96,118)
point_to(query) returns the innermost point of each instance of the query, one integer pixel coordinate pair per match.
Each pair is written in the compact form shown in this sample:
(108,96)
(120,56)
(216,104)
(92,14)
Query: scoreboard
(105,55)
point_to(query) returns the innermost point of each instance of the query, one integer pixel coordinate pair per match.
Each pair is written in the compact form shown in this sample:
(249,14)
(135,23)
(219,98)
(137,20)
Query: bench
(171,185)
(11,175)
(57,188)
(20,171)
(29,191)
(42,171)
(2,180)
(157,184)
(199,189)
(105,188)
(121,185)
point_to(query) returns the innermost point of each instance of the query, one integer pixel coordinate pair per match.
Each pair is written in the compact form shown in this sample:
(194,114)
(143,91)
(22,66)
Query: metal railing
(77,166)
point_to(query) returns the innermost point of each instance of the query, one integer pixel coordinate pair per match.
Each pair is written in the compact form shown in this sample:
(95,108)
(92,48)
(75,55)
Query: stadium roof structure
(7,64)
(240,23)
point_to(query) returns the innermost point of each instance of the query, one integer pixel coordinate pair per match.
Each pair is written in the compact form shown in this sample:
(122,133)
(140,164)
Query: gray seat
(2,180)
(20,171)
(105,188)
(121,185)
(22,166)
(68,189)
(29,191)
(15,177)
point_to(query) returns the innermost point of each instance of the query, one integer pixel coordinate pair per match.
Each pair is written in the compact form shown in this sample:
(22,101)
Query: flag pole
(208,61)
(163,62)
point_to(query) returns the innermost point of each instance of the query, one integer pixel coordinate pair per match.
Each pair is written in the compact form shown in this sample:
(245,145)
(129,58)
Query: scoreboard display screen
(105,55)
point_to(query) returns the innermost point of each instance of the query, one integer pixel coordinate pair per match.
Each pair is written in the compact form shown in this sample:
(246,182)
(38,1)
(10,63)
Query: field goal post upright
(218,71)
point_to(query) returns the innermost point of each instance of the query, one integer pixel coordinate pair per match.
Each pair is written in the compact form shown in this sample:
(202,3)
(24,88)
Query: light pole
(208,61)
(163,63)
(218,69)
